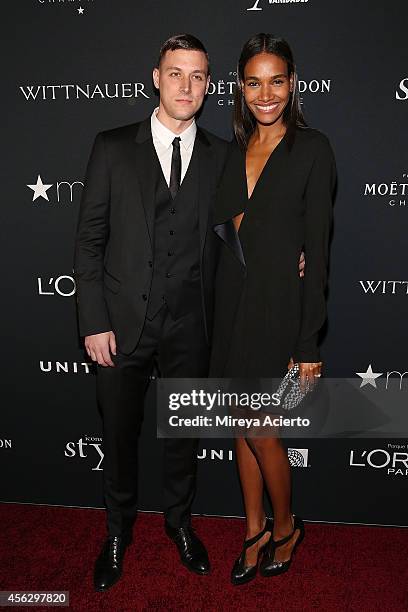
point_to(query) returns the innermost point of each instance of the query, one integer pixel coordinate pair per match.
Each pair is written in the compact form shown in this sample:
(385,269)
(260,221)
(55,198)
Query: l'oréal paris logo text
(393,460)
(64,192)
(87,91)
(61,285)
(392,193)
(259,4)
(402,91)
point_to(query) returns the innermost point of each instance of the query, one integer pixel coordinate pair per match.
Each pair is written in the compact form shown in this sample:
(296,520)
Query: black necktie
(175,174)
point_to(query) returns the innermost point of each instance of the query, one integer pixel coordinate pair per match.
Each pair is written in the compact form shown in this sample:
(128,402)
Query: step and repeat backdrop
(76,67)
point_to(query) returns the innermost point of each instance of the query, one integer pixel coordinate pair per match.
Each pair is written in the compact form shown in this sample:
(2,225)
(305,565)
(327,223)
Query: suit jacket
(115,233)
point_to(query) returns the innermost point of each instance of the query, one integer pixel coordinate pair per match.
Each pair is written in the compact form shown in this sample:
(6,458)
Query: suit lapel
(202,149)
(146,170)
(232,199)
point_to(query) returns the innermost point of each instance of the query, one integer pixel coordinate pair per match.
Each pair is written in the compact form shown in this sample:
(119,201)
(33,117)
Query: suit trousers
(178,348)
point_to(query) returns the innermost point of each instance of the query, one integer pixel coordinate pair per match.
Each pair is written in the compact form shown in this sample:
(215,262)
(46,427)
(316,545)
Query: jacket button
(144,297)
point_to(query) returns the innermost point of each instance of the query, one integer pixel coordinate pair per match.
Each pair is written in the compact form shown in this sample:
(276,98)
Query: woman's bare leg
(252,488)
(274,465)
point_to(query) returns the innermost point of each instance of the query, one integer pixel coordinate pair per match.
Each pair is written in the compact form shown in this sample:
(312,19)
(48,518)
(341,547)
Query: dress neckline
(250,197)
(268,159)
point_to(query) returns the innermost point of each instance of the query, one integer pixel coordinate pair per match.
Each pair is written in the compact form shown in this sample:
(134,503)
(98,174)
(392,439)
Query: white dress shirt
(163,143)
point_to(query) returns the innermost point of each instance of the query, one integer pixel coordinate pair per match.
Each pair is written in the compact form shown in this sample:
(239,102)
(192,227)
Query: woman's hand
(308,372)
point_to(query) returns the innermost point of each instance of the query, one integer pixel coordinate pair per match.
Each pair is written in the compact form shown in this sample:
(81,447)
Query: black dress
(264,312)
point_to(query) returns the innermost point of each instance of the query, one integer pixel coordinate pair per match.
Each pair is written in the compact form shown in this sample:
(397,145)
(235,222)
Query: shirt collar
(166,136)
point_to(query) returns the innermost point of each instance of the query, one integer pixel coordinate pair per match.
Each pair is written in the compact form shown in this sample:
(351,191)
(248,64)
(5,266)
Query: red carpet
(337,568)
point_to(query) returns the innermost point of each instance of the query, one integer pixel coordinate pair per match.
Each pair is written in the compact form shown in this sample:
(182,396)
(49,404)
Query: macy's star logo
(40,189)
(368,378)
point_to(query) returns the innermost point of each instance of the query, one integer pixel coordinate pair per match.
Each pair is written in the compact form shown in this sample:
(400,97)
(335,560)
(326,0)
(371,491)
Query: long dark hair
(244,121)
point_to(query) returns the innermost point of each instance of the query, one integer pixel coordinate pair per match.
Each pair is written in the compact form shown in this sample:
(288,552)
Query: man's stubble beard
(180,116)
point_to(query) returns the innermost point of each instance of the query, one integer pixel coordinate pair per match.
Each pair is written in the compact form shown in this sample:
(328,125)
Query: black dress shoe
(242,573)
(192,551)
(108,566)
(269,566)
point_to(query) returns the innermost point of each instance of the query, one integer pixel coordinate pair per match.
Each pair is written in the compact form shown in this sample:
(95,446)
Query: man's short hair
(183,41)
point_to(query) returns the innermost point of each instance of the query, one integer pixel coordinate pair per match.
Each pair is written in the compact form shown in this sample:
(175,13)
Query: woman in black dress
(275,199)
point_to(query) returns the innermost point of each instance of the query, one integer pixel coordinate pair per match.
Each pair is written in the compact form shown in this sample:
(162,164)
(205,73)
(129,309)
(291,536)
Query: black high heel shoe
(268,566)
(241,573)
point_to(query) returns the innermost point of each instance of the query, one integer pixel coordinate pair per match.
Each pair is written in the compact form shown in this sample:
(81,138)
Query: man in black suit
(144,267)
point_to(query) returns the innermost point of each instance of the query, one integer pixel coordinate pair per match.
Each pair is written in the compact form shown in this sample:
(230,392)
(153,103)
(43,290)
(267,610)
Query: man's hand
(100,346)
(302,265)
